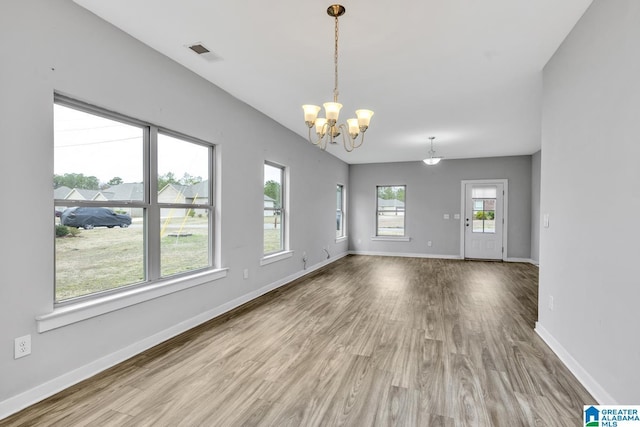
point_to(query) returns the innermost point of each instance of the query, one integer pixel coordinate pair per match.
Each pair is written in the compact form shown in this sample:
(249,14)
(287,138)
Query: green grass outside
(108,258)
(271,235)
(102,259)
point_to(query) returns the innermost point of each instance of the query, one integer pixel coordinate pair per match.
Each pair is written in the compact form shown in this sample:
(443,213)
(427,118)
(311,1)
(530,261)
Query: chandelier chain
(335,61)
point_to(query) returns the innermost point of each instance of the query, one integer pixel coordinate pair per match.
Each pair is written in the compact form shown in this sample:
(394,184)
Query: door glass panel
(484,209)
(484,192)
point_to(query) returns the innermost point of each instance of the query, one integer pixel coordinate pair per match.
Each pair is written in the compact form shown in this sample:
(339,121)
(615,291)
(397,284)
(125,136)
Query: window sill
(391,238)
(269,259)
(72,313)
(342,239)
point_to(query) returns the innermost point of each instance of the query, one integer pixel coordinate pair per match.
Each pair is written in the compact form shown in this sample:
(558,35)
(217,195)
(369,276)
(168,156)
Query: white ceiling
(465,71)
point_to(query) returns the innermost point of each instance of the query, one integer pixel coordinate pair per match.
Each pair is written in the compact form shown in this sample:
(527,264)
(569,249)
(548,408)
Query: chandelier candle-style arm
(327,128)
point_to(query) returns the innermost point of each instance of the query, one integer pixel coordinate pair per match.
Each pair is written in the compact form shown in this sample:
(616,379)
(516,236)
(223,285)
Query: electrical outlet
(22,347)
(551,302)
(429,243)
(245,273)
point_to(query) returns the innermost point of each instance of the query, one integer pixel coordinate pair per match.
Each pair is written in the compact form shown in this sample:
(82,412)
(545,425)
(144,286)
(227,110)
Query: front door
(483,220)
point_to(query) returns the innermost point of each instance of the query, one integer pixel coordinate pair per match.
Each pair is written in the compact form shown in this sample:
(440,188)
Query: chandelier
(432,160)
(327,129)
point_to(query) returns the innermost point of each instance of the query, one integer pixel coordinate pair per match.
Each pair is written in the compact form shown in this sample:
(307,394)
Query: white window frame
(343,213)
(210,206)
(87,306)
(401,238)
(283,252)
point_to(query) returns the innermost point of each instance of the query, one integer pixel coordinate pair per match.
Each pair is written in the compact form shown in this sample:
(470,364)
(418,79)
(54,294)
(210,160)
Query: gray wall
(591,192)
(590,150)
(433,191)
(535,206)
(54,45)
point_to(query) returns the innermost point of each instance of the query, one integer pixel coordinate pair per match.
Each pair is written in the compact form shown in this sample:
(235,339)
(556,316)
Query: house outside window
(115,226)
(390,210)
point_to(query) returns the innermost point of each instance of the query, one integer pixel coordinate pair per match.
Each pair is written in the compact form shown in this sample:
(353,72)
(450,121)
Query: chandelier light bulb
(310,114)
(320,126)
(364,117)
(354,129)
(332,111)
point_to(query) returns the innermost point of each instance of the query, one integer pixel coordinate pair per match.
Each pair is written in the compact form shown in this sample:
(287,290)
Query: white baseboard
(526,260)
(592,386)
(437,256)
(404,255)
(41,392)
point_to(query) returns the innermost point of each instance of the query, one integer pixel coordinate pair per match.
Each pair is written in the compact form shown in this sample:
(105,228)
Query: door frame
(505,208)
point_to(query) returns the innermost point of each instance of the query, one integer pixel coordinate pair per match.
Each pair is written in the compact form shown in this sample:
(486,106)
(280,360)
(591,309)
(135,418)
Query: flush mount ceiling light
(431,160)
(327,128)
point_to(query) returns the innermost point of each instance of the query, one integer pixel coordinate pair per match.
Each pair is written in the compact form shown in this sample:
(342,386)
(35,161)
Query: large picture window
(390,209)
(116,227)
(274,209)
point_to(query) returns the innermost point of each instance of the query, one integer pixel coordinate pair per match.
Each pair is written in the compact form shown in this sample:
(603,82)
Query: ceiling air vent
(199,49)
(204,53)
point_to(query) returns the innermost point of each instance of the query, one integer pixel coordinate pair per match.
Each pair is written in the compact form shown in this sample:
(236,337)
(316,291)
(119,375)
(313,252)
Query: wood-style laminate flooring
(365,341)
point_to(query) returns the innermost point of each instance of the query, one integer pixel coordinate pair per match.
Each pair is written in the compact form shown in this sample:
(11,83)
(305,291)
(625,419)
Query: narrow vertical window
(390,209)
(274,209)
(184,198)
(339,211)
